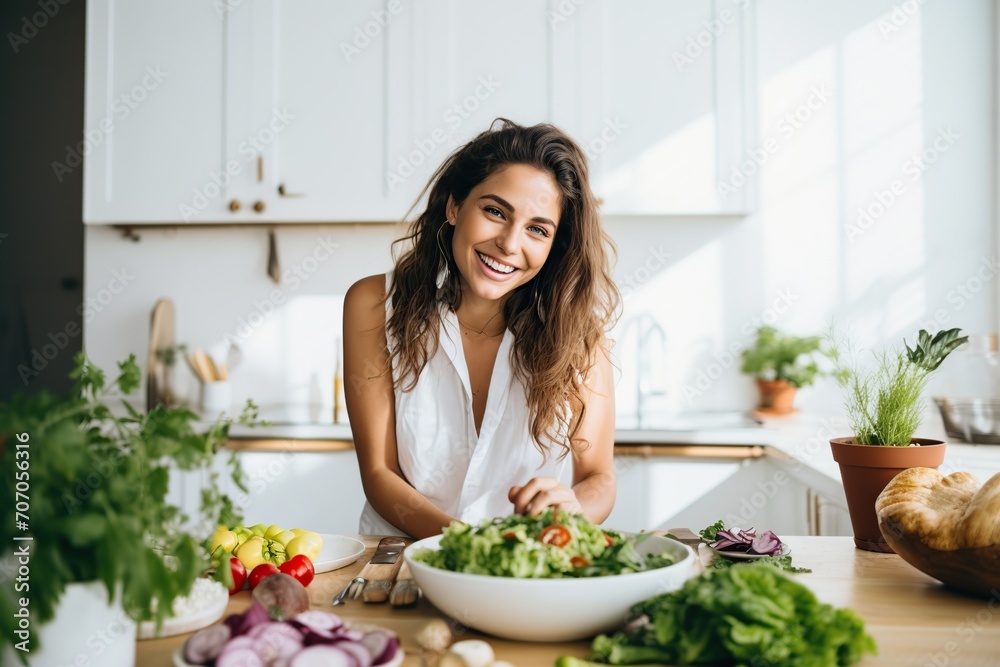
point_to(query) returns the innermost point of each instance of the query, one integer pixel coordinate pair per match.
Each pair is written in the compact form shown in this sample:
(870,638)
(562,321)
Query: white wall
(884,85)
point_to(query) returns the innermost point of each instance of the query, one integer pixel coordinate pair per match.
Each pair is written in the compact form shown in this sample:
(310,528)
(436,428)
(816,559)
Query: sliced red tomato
(261,571)
(299,568)
(557,536)
(509,535)
(608,540)
(239,575)
(579,561)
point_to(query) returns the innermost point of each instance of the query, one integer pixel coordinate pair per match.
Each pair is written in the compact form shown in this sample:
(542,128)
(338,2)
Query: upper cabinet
(656,93)
(314,111)
(153,119)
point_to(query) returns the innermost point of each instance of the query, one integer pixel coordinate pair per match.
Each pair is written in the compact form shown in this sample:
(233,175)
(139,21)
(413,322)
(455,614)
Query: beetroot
(282,596)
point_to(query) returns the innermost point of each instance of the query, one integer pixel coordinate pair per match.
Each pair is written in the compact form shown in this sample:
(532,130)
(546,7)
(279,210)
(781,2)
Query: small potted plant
(884,407)
(781,364)
(87,523)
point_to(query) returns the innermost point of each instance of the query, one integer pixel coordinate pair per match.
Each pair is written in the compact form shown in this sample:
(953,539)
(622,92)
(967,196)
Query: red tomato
(261,571)
(239,575)
(299,568)
(579,561)
(509,535)
(557,536)
(608,540)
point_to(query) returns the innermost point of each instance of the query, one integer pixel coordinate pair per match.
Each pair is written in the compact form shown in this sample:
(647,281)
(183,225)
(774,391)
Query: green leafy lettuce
(510,547)
(747,615)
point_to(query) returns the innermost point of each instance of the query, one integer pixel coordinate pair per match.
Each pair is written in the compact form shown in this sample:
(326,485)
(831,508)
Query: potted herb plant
(781,364)
(884,408)
(89,540)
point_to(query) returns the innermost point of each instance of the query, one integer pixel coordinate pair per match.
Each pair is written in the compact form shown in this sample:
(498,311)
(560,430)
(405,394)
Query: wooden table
(914,619)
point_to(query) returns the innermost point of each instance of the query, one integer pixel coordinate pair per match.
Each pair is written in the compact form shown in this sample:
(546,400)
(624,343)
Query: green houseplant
(781,364)
(88,486)
(884,408)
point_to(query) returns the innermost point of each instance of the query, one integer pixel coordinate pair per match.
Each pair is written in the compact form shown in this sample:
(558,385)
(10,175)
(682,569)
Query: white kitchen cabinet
(457,66)
(153,119)
(318,491)
(313,111)
(658,95)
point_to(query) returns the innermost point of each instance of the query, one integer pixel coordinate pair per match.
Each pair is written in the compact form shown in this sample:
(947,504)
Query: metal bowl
(974,420)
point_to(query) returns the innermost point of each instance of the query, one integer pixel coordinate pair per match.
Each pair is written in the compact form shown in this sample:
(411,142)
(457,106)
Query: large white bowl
(547,609)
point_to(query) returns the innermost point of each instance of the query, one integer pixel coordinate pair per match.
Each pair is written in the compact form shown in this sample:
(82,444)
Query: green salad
(553,545)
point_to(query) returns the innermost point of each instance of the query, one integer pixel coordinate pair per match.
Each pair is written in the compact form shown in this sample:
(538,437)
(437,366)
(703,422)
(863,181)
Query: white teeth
(496,266)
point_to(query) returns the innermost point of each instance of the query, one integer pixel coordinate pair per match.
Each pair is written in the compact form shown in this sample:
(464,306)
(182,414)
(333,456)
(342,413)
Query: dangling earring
(442,277)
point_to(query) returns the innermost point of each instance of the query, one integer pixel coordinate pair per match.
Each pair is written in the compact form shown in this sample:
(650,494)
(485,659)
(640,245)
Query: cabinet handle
(260,168)
(234,205)
(259,206)
(282,191)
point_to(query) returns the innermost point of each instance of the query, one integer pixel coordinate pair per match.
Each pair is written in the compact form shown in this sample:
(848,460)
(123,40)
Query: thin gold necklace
(482,331)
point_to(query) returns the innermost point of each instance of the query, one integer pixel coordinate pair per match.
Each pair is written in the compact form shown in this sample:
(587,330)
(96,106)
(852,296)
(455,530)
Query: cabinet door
(153,135)
(456,66)
(308,108)
(318,491)
(654,92)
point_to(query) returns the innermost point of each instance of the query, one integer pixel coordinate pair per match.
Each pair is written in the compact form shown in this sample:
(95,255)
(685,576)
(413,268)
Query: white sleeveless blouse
(464,474)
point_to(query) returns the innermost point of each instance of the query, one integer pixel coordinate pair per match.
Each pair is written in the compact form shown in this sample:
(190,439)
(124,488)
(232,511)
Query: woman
(477,369)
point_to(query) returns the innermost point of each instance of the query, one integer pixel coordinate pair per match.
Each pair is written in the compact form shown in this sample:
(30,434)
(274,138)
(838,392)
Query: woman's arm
(372,410)
(594,487)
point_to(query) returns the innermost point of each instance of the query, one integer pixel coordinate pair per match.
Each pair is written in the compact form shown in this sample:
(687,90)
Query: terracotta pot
(866,470)
(776,396)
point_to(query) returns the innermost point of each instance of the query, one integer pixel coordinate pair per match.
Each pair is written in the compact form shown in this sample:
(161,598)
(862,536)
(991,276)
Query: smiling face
(504,230)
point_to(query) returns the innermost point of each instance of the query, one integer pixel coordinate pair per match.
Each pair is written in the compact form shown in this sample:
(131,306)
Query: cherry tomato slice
(509,535)
(239,575)
(261,571)
(608,540)
(557,536)
(299,568)
(579,561)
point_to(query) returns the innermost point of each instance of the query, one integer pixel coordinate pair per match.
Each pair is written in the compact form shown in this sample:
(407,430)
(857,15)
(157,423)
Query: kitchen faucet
(646,326)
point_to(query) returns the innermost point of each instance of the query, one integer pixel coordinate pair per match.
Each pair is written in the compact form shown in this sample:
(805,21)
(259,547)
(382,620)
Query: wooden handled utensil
(382,569)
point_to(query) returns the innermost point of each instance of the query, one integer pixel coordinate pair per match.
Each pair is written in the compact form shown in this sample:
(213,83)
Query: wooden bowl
(945,526)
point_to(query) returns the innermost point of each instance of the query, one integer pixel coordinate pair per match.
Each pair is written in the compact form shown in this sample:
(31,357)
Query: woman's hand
(542,492)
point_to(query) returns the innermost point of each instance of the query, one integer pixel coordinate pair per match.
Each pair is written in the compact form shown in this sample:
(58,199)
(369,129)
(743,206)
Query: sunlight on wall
(676,173)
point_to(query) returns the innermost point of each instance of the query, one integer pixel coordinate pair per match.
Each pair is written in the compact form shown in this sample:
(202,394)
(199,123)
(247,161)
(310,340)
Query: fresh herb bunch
(97,484)
(778,356)
(884,403)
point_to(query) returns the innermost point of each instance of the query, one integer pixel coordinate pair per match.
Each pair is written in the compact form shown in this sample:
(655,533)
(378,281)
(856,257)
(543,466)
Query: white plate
(396,661)
(337,552)
(177,625)
(739,555)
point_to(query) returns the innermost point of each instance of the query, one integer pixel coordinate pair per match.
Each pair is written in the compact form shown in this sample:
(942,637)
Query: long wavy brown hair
(559,319)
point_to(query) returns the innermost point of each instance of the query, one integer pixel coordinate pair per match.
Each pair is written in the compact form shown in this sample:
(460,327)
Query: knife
(381,570)
(405,592)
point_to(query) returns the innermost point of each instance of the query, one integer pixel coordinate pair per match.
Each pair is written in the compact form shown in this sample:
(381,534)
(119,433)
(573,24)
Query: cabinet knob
(234,205)
(259,206)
